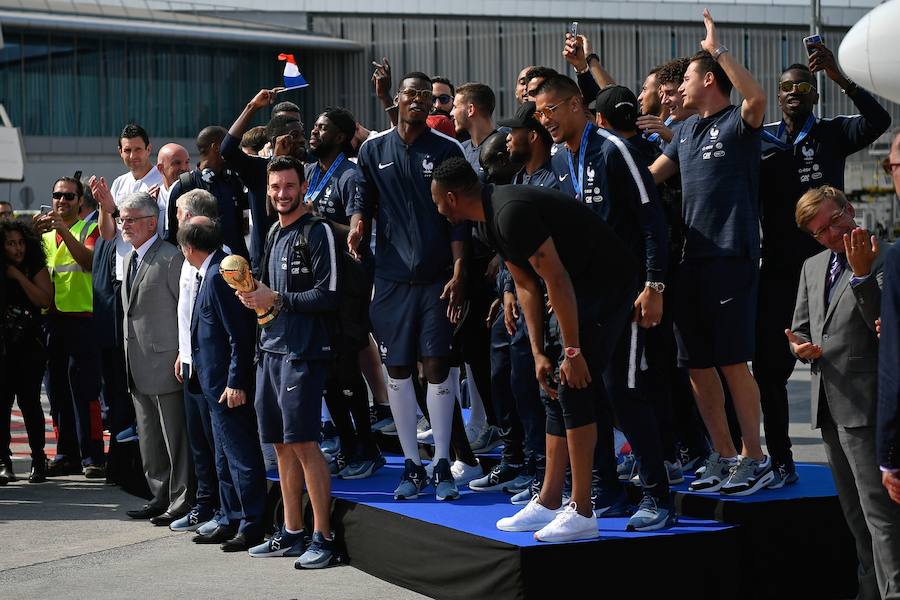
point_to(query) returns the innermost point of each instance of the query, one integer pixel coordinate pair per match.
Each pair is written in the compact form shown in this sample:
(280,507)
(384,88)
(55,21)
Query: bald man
(172,160)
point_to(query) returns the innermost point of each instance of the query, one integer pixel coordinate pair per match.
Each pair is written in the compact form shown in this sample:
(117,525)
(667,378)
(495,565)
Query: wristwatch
(572,352)
(851,87)
(656,286)
(719,52)
(279,302)
(587,63)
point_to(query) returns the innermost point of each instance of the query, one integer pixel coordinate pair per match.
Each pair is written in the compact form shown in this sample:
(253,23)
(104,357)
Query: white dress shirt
(188,289)
(120,188)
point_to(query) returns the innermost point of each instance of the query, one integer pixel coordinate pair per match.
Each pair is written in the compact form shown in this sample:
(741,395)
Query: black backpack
(354,280)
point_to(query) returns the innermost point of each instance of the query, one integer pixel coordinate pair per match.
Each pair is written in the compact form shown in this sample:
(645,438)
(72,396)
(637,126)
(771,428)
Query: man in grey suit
(150,303)
(833,329)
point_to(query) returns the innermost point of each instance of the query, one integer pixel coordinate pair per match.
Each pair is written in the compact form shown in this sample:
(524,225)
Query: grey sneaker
(319,553)
(652,514)
(627,469)
(716,471)
(489,439)
(749,476)
(444,486)
(676,474)
(413,480)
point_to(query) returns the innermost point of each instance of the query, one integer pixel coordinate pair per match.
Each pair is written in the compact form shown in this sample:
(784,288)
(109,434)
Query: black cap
(525,119)
(618,105)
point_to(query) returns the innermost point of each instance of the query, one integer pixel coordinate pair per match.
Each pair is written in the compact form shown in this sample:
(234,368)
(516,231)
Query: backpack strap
(187,182)
(267,253)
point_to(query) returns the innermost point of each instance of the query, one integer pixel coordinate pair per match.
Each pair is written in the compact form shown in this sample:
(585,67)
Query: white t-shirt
(120,188)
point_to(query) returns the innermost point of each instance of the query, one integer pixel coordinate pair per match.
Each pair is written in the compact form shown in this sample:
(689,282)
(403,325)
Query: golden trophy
(236,272)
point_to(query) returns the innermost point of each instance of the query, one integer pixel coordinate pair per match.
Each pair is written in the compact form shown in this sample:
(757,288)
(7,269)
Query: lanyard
(578,181)
(776,139)
(315,185)
(654,137)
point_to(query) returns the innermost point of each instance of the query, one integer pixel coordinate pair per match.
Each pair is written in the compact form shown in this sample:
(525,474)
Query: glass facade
(58,84)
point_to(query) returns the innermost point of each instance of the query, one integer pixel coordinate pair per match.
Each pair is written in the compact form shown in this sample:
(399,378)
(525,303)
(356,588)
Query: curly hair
(35,259)
(672,71)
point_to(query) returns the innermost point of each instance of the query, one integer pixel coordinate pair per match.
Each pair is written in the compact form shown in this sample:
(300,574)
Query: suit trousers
(200,437)
(165,450)
(872,517)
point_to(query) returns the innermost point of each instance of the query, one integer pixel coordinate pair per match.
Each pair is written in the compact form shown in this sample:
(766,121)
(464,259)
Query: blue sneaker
(337,463)
(784,474)
(362,467)
(652,514)
(191,521)
(210,526)
(278,545)
(627,469)
(129,434)
(319,553)
(521,483)
(610,503)
(414,479)
(330,443)
(444,485)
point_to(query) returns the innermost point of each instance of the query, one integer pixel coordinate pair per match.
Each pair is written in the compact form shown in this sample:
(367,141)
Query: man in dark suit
(222,341)
(150,328)
(888,443)
(833,329)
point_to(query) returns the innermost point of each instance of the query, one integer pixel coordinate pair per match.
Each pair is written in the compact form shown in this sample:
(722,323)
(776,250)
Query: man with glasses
(73,361)
(798,153)
(442,93)
(600,170)
(833,329)
(418,276)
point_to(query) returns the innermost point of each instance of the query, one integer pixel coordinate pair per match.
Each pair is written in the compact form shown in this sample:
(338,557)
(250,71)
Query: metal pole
(814,24)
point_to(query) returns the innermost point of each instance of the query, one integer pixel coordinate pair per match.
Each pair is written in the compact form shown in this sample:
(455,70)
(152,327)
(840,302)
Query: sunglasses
(412,94)
(834,224)
(888,166)
(803,87)
(67,195)
(442,99)
(548,111)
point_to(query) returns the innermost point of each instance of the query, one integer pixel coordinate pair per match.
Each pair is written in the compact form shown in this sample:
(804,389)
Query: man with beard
(286,136)
(333,191)
(419,273)
(798,153)
(543,234)
(294,351)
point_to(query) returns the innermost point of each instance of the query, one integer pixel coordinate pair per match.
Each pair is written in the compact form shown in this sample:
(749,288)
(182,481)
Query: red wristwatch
(572,352)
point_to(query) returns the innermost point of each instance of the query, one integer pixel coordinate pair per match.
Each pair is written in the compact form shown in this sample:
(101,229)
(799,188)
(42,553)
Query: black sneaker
(63,466)
(338,463)
(785,474)
(499,479)
(414,479)
(7,474)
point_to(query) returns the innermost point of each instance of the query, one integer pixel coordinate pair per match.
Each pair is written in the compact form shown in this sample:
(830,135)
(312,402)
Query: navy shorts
(289,398)
(715,311)
(600,330)
(410,321)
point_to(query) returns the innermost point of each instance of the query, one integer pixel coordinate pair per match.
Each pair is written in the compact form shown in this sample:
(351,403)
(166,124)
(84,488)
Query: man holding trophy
(297,292)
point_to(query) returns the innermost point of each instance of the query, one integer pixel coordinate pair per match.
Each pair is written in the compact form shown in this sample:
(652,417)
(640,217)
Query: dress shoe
(63,466)
(242,542)
(7,474)
(94,472)
(38,470)
(164,519)
(220,535)
(147,512)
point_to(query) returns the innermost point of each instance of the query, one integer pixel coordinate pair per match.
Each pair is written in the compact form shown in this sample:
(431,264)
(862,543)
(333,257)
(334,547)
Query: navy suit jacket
(222,336)
(888,420)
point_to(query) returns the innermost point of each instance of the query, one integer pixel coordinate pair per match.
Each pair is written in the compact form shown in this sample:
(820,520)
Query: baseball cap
(618,105)
(442,123)
(524,118)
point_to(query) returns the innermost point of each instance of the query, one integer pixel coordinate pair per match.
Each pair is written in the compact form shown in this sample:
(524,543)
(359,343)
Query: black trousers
(21,372)
(773,362)
(347,399)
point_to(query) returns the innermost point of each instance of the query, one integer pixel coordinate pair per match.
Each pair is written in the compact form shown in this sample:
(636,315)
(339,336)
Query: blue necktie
(838,263)
(132,272)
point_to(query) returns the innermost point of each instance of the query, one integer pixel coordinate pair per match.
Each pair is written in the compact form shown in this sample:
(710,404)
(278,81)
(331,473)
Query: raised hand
(573,52)
(860,250)
(711,42)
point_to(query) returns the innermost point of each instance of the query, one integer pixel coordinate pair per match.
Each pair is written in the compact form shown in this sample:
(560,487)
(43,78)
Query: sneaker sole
(519,502)
(188,528)
(521,528)
(707,490)
(275,554)
(776,484)
(487,448)
(570,537)
(446,498)
(500,487)
(667,522)
(133,438)
(316,565)
(760,484)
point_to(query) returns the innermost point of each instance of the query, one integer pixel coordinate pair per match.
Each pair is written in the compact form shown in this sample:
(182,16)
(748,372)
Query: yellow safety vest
(74,291)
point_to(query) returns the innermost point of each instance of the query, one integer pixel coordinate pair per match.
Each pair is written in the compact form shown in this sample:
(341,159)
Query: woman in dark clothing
(25,289)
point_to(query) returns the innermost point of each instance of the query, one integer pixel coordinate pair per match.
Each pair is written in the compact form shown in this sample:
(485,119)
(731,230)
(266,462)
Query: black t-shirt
(20,319)
(519,218)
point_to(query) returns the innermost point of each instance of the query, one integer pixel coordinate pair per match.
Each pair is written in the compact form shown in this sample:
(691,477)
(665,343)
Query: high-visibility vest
(74,291)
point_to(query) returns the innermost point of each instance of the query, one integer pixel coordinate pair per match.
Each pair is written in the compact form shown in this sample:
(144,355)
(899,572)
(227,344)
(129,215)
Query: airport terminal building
(73,73)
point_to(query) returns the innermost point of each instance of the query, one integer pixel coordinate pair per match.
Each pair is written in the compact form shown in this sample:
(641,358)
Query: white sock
(453,380)
(440,408)
(477,416)
(402,397)
(291,531)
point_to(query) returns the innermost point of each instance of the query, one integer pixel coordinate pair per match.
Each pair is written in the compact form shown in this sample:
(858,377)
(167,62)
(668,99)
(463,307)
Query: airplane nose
(867,54)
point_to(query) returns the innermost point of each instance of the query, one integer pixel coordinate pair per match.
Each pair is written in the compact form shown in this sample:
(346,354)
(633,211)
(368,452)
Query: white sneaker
(531,518)
(569,526)
(463,473)
(425,437)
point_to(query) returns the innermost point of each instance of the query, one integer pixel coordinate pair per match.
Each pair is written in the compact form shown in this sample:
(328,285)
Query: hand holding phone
(811,42)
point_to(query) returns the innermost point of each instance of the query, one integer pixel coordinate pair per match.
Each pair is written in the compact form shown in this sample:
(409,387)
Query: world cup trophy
(236,273)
